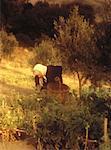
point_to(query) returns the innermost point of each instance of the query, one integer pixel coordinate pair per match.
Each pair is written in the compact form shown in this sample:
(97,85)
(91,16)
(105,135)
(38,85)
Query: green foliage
(47,53)
(105,146)
(61,124)
(76,41)
(45,118)
(75,38)
(104,93)
(11,115)
(7,44)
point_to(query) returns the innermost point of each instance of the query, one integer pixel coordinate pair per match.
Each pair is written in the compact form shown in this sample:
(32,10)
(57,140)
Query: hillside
(24,22)
(97,5)
(71,116)
(16,77)
(96,2)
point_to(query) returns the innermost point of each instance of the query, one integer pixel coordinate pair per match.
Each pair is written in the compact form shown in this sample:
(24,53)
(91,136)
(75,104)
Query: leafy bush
(7,44)
(102,93)
(47,53)
(11,118)
(50,122)
(59,125)
(62,124)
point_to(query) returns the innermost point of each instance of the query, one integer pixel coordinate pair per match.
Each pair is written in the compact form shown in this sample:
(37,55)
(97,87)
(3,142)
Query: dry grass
(16,79)
(18,145)
(20,80)
(16,76)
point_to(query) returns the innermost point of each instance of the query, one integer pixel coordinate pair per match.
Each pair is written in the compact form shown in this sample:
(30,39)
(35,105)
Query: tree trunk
(80,85)
(105,129)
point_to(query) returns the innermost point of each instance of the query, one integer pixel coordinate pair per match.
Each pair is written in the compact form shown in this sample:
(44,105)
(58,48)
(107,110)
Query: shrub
(50,122)
(47,53)
(62,124)
(59,125)
(7,44)
(11,118)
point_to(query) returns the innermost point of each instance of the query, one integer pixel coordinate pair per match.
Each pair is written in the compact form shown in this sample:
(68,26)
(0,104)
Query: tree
(47,53)
(103,34)
(106,11)
(75,38)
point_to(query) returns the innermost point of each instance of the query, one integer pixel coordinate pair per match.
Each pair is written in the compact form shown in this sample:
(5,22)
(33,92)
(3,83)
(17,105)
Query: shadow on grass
(12,70)
(8,89)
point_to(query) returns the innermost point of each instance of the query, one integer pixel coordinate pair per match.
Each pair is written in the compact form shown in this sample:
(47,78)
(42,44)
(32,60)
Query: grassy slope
(16,76)
(18,145)
(16,80)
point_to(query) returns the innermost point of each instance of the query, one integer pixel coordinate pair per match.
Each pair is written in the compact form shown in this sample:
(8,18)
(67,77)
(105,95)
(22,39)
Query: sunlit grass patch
(18,145)
(21,77)
(16,80)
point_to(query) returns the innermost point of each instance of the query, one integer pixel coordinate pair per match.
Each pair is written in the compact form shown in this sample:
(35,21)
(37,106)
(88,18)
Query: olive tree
(75,38)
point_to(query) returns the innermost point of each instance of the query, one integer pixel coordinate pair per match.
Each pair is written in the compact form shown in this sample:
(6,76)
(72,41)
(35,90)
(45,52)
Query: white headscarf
(40,70)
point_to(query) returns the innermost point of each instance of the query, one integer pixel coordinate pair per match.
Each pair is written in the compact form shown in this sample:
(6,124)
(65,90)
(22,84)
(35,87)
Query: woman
(46,74)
